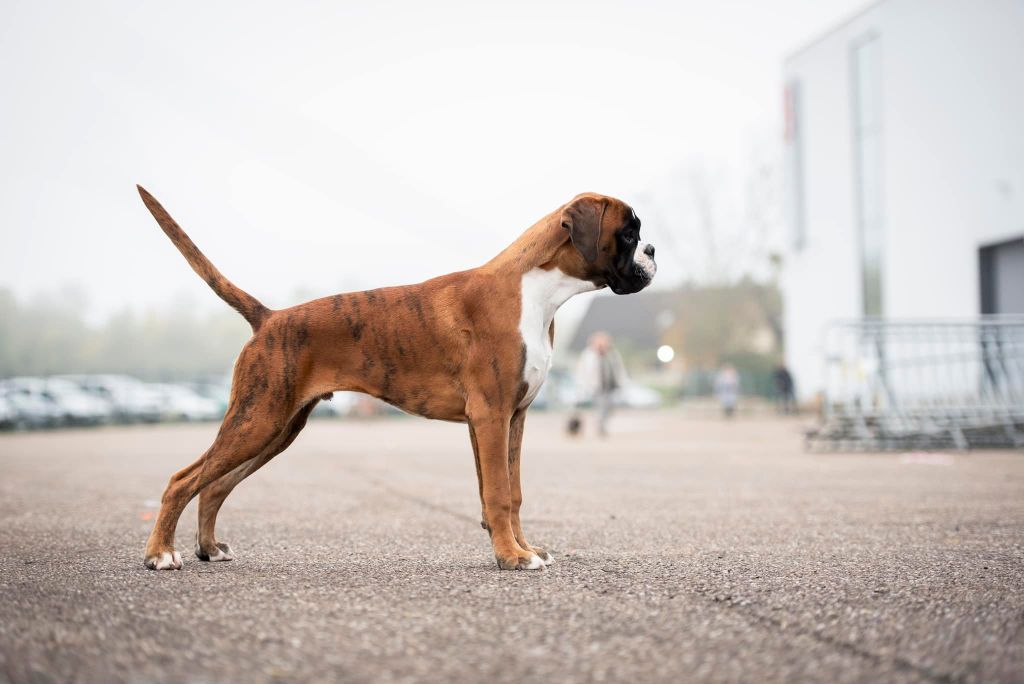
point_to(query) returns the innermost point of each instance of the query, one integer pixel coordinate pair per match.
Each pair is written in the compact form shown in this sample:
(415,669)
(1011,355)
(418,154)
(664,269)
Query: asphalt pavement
(686,550)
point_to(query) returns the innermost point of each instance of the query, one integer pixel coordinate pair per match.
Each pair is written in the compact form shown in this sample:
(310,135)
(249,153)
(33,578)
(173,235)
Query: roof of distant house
(632,317)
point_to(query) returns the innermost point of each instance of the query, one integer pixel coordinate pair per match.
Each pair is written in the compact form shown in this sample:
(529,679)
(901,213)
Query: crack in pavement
(426,503)
(750,615)
(755,617)
(758,618)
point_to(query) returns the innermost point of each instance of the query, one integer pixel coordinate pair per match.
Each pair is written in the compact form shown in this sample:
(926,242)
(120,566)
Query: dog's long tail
(243,302)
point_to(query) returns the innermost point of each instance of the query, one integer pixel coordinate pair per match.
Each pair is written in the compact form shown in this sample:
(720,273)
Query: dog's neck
(536,256)
(539,247)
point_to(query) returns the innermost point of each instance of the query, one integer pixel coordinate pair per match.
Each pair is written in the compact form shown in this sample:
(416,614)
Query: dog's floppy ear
(582,218)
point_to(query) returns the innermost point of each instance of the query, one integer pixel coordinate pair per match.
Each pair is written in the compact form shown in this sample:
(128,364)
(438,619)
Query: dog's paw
(222,552)
(532,562)
(545,557)
(168,560)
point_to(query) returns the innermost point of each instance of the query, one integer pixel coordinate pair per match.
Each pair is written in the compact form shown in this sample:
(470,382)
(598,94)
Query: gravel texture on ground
(686,550)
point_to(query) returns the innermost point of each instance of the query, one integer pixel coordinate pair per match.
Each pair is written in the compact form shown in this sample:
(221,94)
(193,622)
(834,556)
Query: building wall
(951,166)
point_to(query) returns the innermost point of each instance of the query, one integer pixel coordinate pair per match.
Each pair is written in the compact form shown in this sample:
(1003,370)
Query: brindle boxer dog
(472,347)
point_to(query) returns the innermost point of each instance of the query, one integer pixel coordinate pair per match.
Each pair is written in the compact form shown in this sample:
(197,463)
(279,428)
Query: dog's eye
(628,237)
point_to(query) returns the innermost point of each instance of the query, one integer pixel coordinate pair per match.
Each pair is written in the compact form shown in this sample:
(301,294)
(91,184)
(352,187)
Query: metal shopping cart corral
(906,384)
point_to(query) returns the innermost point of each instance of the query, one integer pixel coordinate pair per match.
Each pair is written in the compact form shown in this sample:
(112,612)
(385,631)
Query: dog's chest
(535,327)
(541,294)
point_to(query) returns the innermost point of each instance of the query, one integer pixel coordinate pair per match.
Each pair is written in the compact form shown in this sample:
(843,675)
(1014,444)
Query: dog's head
(606,249)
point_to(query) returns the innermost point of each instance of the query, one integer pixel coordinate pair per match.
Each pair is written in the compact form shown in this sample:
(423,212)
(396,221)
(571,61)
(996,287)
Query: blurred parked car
(76,406)
(66,403)
(182,403)
(634,395)
(31,410)
(558,391)
(131,400)
(219,392)
(7,415)
(341,404)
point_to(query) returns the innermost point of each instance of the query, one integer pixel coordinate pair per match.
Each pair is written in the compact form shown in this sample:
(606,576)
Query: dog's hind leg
(479,478)
(241,438)
(211,498)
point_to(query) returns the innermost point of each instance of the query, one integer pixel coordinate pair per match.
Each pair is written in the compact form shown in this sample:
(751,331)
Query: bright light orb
(666,353)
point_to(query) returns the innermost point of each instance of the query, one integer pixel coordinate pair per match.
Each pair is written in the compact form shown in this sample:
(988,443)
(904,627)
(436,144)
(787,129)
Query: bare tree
(719,226)
(722,229)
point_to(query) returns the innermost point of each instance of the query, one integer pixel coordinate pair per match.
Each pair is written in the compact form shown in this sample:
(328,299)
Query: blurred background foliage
(177,341)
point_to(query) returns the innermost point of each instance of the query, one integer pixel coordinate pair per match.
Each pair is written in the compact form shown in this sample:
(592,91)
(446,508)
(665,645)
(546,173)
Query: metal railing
(902,384)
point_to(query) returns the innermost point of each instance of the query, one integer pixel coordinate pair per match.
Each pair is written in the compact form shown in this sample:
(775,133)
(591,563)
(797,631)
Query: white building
(905,170)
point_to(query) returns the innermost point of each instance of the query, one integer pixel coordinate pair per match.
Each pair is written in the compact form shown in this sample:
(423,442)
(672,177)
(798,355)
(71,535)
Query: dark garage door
(1002,277)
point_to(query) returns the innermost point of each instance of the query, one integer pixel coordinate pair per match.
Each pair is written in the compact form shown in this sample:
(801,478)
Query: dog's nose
(649,251)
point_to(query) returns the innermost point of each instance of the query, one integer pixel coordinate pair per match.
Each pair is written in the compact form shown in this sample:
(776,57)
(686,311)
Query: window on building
(867,141)
(794,165)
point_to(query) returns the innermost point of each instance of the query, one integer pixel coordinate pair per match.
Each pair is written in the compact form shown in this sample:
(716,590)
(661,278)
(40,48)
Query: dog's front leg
(515,447)
(492,432)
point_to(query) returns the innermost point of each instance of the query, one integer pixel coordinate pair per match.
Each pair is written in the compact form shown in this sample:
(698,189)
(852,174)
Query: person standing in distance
(599,374)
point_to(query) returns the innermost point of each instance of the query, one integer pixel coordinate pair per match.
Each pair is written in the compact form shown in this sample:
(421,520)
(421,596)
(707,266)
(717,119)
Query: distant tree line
(175,342)
(738,323)
(715,324)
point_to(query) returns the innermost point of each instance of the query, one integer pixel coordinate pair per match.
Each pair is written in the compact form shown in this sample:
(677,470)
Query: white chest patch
(541,294)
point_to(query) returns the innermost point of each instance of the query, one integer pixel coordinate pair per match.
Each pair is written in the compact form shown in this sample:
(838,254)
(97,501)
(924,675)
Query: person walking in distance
(785,395)
(727,389)
(599,373)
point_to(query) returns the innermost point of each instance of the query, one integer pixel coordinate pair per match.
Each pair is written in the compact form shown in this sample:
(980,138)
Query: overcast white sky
(335,146)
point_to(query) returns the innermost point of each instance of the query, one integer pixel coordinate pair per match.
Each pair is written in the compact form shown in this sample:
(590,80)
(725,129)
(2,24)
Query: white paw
(223,553)
(168,560)
(549,559)
(535,563)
